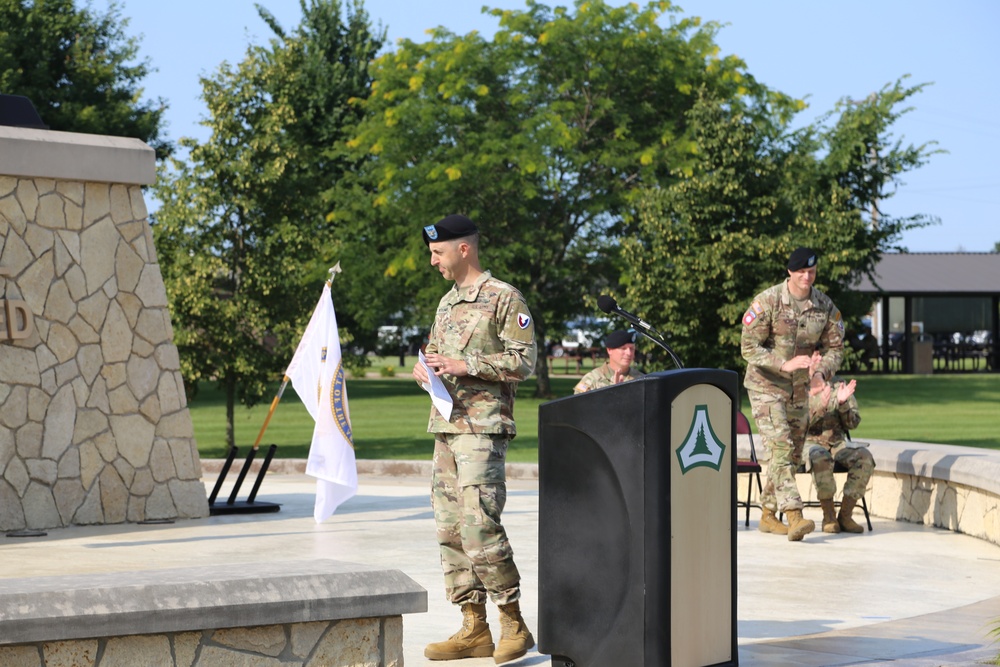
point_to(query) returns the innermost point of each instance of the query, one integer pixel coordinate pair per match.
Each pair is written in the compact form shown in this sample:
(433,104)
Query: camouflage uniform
(827,443)
(774,331)
(602,376)
(489,327)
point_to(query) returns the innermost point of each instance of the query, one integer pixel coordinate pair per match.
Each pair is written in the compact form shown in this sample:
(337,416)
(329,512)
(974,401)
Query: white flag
(318,378)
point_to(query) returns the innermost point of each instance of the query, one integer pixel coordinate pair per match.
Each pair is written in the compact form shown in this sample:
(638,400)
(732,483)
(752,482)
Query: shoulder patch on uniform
(523,320)
(752,313)
(838,320)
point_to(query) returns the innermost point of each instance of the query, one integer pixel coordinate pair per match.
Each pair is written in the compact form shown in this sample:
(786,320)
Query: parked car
(581,334)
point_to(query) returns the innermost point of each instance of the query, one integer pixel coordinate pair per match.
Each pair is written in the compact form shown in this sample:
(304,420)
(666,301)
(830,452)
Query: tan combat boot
(830,524)
(844,519)
(515,640)
(769,523)
(472,641)
(798,527)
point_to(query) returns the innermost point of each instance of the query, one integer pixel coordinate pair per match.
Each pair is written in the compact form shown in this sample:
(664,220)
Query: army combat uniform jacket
(602,376)
(774,331)
(487,325)
(829,421)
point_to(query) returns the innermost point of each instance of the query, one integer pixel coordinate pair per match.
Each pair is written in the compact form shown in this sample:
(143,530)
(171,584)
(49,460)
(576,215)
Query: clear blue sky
(821,50)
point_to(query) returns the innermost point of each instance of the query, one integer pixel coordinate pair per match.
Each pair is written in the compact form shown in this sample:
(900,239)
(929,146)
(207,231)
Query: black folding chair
(750,466)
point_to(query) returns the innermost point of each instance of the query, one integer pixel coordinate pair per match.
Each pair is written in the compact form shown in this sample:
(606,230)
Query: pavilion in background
(936,312)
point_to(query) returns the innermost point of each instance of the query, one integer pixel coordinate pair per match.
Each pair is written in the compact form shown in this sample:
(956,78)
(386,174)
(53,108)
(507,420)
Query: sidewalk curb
(366,467)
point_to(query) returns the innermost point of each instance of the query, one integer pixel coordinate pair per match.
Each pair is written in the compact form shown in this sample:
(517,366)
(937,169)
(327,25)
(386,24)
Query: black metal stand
(657,338)
(640,326)
(251,505)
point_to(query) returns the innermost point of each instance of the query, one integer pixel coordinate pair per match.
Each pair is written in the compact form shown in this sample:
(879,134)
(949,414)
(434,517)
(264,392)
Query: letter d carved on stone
(17,322)
(17,319)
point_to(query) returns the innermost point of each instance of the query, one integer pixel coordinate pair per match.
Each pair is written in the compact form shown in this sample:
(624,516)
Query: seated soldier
(833,411)
(618,367)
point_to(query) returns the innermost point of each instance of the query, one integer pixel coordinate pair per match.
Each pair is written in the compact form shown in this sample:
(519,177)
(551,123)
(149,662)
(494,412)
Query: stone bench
(308,612)
(947,486)
(951,487)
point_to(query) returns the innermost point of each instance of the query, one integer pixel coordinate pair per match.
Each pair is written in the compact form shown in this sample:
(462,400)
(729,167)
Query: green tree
(700,238)
(709,242)
(239,226)
(539,135)
(323,67)
(79,68)
(840,177)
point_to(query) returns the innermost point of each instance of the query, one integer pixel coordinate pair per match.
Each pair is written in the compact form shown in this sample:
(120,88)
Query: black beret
(801,258)
(451,227)
(618,338)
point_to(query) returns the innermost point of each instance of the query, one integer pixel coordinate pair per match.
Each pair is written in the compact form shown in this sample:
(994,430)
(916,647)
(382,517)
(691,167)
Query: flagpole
(334,270)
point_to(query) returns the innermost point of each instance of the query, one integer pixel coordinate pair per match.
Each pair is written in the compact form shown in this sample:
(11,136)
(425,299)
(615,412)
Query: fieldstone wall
(937,502)
(94,426)
(948,486)
(274,613)
(364,642)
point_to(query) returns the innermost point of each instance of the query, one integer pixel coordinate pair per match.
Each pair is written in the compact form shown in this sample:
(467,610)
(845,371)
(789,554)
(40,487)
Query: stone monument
(94,425)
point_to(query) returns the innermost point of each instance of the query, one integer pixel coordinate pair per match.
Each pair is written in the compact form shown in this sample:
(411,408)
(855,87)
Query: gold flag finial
(334,270)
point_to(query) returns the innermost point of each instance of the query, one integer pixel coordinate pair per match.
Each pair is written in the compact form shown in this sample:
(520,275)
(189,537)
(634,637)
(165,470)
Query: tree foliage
(79,68)
(540,135)
(240,222)
(708,243)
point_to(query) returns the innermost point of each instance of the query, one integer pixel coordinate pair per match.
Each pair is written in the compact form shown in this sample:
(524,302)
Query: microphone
(609,305)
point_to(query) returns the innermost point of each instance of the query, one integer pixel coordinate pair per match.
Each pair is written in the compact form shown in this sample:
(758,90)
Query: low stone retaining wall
(951,487)
(947,486)
(309,613)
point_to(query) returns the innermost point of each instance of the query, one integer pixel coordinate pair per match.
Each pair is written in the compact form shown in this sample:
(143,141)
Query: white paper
(439,393)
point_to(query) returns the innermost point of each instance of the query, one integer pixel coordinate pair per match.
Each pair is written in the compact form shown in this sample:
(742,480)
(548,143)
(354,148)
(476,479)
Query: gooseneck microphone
(610,306)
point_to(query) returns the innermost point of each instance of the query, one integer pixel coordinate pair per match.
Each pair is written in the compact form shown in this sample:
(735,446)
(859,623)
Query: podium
(636,543)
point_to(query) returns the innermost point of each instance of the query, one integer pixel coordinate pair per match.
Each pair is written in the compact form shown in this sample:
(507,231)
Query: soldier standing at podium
(793,338)
(481,345)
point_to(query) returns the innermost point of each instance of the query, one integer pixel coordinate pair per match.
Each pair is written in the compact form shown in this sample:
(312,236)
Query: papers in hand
(439,393)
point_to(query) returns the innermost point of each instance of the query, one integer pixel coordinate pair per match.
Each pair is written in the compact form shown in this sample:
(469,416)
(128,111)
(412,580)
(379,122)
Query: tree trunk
(543,388)
(230,384)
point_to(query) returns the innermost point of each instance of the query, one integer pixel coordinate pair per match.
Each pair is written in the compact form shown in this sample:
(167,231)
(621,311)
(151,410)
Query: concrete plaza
(904,594)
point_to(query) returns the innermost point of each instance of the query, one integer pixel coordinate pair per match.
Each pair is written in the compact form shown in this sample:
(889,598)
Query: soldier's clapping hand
(798,363)
(845,390)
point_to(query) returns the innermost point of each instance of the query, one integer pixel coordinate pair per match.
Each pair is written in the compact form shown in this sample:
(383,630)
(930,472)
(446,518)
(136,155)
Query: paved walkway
(904,595)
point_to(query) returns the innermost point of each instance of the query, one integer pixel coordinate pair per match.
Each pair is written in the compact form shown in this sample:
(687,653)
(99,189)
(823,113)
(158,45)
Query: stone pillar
(94,425)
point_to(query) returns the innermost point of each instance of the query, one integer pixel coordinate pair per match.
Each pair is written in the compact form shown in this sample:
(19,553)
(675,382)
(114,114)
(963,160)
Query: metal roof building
(929,299)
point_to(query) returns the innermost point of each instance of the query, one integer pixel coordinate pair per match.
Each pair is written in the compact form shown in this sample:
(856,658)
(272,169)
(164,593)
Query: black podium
(636,544)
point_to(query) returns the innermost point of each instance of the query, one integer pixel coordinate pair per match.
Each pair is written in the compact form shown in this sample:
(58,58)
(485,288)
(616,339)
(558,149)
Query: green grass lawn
(389,415)
(950,409)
